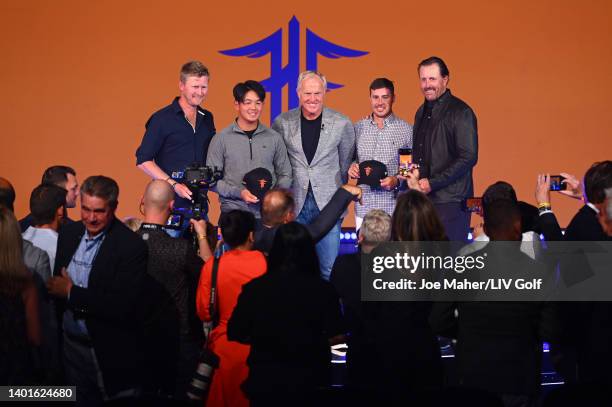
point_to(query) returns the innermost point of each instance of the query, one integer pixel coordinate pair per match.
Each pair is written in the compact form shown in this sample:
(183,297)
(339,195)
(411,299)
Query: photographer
(174,264)
(237,267)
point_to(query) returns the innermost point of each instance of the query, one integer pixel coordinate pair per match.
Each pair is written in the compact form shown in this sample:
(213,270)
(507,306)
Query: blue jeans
(327,248)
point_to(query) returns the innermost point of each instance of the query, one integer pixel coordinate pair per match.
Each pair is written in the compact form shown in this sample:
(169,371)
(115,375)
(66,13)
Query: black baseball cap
(371,172)
(258,182)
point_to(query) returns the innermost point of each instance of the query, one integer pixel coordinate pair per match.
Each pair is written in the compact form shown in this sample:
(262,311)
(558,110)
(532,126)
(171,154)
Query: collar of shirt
(386,121)
(237,129)
(590,205)
(178,109)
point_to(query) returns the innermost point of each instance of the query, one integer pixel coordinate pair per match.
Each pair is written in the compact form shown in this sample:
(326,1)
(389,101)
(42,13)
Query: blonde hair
(13,273)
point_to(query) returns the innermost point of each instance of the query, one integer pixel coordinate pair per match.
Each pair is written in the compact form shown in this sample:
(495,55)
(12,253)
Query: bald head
(157,196)
(277,205)
(7,194)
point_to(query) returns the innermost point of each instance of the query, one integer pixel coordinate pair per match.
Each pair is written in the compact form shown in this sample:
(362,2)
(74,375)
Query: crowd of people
(126,310)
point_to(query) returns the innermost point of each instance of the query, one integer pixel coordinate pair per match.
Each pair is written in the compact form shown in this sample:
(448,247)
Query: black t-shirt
(311,130)
(422,142)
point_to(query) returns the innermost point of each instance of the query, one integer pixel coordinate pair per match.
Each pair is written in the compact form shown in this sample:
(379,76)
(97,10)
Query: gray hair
(376,227)
(308,74)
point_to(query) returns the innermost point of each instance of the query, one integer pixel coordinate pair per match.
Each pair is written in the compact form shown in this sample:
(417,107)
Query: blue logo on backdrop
(287,75)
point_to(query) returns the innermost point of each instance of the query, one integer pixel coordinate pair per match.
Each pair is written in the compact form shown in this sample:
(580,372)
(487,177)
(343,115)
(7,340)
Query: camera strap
(214,312)
(151,226)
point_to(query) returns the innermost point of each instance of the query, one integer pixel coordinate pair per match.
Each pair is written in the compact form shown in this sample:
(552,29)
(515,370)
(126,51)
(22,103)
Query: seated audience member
(100,281)
(290,316)
(47,207)
(499,344)
(237,267)
(175,266)
(19,320)
(346,278)
(278,208)
(63,177)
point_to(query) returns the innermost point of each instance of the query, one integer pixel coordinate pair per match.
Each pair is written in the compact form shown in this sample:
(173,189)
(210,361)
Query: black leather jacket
(454,148)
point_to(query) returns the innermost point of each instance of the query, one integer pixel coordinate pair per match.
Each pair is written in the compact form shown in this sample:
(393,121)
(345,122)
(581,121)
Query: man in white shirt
(47,203)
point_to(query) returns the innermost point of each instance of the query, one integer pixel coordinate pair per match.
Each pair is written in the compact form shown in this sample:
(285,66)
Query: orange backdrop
(79,79)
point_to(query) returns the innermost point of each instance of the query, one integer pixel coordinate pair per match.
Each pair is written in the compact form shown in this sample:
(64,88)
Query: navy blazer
(113,305)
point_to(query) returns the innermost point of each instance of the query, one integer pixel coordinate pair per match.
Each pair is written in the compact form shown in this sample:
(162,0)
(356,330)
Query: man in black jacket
(499,344)
(100,273)
(445,147)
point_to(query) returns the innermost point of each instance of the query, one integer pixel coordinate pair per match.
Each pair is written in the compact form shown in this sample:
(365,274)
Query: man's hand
(542,190)
(389,183)
(424,185)
(182,190)
(355,191)
(574,188)
(248,197)
(353,171)
(60,286)
(412,179)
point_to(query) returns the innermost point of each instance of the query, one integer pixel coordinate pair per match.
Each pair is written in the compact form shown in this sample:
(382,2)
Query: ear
(445,80)
(251,237)
(360,239)
(59,213)
(236,105)
(172,204)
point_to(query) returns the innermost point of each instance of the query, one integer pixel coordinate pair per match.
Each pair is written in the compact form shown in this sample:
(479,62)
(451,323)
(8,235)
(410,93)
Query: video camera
(199,179)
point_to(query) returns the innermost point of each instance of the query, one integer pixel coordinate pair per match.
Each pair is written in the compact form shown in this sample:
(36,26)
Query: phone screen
(174,221)
(556,183)
(405,157)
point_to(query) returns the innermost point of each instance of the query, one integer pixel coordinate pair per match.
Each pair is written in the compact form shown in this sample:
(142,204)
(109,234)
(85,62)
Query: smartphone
(174,221)
(556,183)
(405,157)
(405,161)
(473,204)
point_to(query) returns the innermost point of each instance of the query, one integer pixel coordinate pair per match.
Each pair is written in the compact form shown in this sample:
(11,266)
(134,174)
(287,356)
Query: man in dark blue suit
(100,274)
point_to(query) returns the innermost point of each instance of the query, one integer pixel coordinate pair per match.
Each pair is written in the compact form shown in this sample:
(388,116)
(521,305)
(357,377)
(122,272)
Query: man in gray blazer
(320,144)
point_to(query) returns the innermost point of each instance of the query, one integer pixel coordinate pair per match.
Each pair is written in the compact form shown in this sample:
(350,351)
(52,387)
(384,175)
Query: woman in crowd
(236,267)
(290,317)
(404,343)
(19,320)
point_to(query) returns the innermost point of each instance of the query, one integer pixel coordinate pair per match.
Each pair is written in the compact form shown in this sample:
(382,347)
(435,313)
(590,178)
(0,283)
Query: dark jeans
(82,371)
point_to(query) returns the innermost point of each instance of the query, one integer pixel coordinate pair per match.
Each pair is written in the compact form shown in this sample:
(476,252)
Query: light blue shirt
(78,270)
